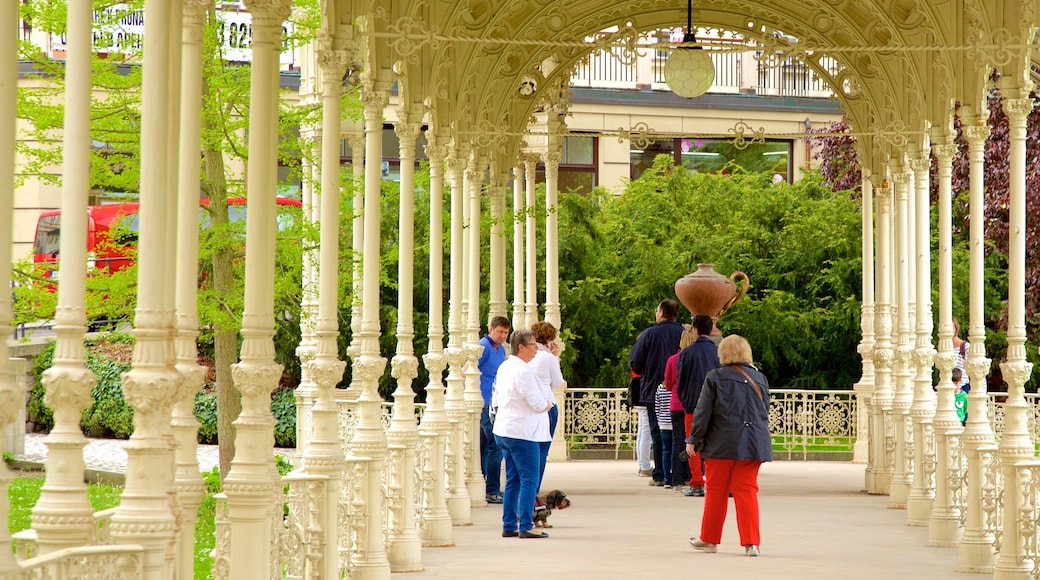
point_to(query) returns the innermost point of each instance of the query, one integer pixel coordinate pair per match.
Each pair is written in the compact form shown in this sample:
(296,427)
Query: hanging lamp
(689,71)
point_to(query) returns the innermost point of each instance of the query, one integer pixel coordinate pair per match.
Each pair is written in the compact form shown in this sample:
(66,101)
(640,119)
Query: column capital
(404,367)
(1018,109)
(435,153)
(374,99)
(194,17)
(407,133)
(920,165)
(1016,373)
(944,152)
(267,13)
(976,135)
(434,362)
(332,63)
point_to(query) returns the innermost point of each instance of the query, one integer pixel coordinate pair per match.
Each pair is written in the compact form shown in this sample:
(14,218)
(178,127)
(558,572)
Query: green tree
(799,245)
(115,111)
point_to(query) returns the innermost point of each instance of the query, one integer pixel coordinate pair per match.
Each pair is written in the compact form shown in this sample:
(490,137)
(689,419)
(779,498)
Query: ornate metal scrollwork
(745,135)
(639,135)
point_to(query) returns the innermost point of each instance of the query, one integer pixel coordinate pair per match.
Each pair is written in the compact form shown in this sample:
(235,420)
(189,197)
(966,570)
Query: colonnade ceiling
(480,69)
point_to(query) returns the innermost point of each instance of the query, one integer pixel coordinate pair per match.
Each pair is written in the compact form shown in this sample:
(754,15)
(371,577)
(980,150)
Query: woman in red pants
(731,431)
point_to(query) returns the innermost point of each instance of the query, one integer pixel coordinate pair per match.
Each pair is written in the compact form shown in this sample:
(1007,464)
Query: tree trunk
(225,341)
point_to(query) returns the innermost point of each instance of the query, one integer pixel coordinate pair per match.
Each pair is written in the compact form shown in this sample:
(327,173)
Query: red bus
(112,228)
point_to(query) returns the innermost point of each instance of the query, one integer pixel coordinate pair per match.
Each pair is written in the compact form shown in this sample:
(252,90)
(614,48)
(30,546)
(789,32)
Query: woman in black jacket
(731,431)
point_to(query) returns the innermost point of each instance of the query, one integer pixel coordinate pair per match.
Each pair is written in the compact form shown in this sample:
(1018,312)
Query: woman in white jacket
(521,424)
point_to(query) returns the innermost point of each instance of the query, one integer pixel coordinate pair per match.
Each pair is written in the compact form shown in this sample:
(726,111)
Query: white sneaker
(704,546)
(751,550)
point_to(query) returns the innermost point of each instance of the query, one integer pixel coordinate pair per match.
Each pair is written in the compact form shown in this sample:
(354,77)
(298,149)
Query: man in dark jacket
(693,365)
(648,359)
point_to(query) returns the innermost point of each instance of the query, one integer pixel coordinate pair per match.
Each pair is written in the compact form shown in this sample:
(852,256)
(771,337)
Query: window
(716,156)
(579,162)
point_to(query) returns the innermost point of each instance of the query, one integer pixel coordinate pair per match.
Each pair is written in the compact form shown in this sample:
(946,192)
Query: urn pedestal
(708,292)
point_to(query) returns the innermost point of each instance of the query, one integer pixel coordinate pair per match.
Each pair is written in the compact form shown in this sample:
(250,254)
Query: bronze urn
(708,292)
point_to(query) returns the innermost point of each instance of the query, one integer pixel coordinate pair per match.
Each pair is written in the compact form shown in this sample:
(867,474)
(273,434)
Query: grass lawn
(24,492)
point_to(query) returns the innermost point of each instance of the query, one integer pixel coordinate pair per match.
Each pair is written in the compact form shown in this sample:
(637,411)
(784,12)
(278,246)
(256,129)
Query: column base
(1012,570)
(437,533)
(405,555)
(363,571)
(458,509)
(475,488)
(976,554)
(898,492)
(918,510)
(944,531)
(860,451)
(882,482)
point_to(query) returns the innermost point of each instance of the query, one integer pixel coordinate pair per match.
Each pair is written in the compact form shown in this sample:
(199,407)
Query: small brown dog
(545,503)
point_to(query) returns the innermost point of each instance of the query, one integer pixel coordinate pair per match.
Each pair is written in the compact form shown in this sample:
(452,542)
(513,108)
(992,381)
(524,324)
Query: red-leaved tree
(840,167)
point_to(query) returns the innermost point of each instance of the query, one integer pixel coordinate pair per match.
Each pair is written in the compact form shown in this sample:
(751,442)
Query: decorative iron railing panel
(804,424)
(116,562)
(997,412)
(1028,482)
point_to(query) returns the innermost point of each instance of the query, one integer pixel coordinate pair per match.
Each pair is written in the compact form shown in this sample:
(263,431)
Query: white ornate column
(435,526)
(473,399)
(864,388)
(1015,443)
(190,486)
(944,526)
(368,447)
(252,486)
(323,451)
(457,496)
(357,231)
(404,550)
(904,388)
(305,351)
(881,400)
(519,319)
(531,307)
(976,546)
(12,388)
(497,282)
(63,517)
(144,515)
(922,487)
(552,244)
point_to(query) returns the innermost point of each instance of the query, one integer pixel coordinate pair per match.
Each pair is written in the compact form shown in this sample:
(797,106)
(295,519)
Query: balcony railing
(735,72)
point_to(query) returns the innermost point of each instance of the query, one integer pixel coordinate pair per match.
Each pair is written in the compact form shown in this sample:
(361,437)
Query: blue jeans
(490,456)
(655,438)
(543,446)
(666,455)
(680,469)
(521,458)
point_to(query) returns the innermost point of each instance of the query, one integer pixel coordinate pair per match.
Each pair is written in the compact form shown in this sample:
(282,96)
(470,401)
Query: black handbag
(633,392)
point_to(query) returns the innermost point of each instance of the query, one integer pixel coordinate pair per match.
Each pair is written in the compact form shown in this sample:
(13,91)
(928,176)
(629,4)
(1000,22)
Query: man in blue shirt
(491,358)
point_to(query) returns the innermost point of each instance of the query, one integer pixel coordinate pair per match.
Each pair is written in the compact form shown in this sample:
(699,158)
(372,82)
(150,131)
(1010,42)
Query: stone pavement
(816,524)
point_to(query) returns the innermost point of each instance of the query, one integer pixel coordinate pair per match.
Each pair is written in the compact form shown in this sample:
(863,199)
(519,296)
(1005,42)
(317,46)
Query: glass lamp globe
(689,72)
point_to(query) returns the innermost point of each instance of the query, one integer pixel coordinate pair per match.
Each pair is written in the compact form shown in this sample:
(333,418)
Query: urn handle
(739,293)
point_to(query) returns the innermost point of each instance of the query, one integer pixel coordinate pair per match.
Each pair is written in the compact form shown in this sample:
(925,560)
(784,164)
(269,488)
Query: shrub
(206,413)
(108,415)
(283,406)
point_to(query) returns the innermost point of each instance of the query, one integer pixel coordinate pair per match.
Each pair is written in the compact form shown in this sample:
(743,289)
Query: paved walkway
(816,524)
(108,454)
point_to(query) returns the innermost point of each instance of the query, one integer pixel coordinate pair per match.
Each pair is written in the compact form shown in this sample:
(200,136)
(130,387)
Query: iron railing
(804,424)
